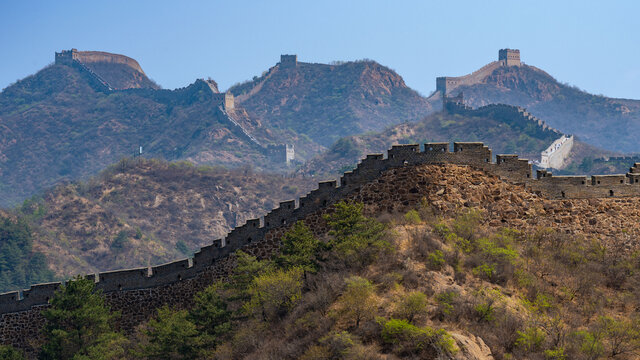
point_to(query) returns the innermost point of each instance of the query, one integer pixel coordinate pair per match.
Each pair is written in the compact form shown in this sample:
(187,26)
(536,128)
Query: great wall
(506,57)
(136,293)
(224,102)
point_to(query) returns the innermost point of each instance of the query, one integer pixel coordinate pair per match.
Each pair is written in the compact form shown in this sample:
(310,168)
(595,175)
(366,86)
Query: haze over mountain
(67,122)
(605,122)
(327,101)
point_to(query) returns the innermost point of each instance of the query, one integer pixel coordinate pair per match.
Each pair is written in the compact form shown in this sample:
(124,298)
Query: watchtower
(509,57)
(66,57)
(288,61)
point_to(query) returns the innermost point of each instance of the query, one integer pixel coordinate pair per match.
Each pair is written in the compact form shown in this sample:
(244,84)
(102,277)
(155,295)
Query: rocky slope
(147,212)
(325,102)
(604,122)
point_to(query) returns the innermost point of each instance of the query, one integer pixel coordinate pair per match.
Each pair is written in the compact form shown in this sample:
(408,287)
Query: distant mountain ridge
(63,123)
(324,102)
(609,123)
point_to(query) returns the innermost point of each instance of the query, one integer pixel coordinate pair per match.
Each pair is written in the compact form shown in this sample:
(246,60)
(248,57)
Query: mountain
(69,121)
(142,212)
(605,122)
(324,102)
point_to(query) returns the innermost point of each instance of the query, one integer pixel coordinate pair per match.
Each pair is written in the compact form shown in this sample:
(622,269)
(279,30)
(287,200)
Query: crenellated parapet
(153,280)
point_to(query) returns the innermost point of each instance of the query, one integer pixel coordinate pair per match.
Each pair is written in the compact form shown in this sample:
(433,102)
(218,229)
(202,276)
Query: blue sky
(594,45)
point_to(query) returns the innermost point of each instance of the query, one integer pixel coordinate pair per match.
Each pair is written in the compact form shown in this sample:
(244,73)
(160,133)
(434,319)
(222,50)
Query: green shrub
(356,239)
(171,335)
(210,315)
(357,300)
(182,247)
(485,311)
(410,339)
(412,217)
(531,339)
(466,224)
(274,293)
(446,301)
(556,353)
(435,260)
(120,240)
(9,353)
(411,305)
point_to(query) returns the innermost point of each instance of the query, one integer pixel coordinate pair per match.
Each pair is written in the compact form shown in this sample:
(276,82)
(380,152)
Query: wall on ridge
(138,292)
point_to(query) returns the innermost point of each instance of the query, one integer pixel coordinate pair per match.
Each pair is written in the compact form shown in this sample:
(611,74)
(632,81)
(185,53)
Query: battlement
(179,280)
(509,57)
(288,61)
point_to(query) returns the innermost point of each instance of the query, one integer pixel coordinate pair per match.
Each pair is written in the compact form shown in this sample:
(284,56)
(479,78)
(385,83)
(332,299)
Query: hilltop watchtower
(288,61)
(66,57)
(509,57)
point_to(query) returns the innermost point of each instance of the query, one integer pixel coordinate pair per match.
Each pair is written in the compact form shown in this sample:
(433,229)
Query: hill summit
(327,101)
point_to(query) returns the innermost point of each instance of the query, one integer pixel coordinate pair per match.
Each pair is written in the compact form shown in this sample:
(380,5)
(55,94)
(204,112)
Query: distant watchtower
(288,61)
(509,57)
(66,56)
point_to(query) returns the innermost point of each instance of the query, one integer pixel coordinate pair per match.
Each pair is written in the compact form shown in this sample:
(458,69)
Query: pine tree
(80,324)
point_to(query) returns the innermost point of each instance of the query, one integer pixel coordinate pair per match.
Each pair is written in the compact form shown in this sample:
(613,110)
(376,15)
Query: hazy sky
(594,45)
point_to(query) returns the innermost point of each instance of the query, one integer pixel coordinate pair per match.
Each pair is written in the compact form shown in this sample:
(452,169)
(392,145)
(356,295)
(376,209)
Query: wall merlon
(123,279)
(608,180)
(9,298)
(40,293)
(173,271)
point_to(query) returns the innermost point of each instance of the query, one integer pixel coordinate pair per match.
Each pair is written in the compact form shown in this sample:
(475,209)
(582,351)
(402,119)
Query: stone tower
(288,61)
(509,57)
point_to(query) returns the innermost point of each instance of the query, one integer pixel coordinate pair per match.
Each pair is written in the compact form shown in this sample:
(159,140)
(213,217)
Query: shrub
(338,344)
(485,311)
(410,339)
(555,354)
(274,293)
(356,239)
(358,300)
(531,339)
(210,315)
(412,217)
(446,301)
(411,305)
(9,353)
(171,335)
(435,260)
(466,224)
(182,247)
(120,240)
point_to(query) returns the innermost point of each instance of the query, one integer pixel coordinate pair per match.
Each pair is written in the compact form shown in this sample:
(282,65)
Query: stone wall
(506,57)
(67,56)
(557,153)
(138,292)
